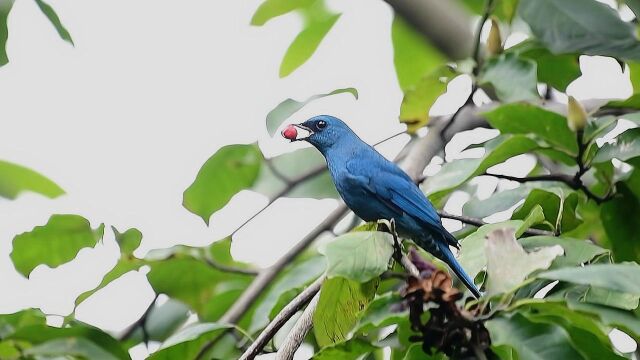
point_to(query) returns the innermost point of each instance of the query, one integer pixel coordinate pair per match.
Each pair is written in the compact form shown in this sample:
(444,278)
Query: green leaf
(497,202)
(186,279)
(54,243)
(616,277)
(14,179)
(555,70)
(380,312)
(531,340)
(417,101)
(10,323)
(415,352)
(48,11)
(306,43)
(529,119)
(348,350)
(588,336)
(229,170)
(294,165)
(80,340)
(610,298)
(634,70)
(285,109)
(421,72)
(128,240)
(413,57)
(576,252)
(513,78)
(293,277)
(625,147)
(5,9)
(503,9)
(498,150)
(624,320)
(341,303)
(187,342)
(472,251)
(624,235)
(558,204)
(270,9)
(122,267)
(508,264)
(162,321)
(220,252)
(599,126)
(359,256)
(581,26)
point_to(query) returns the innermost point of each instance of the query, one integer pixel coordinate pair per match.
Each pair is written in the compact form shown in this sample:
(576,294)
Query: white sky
(124,121)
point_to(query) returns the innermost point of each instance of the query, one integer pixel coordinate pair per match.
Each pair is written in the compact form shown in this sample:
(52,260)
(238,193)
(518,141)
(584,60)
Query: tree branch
(445,24)
(478,62)
(283,316)
(294,339)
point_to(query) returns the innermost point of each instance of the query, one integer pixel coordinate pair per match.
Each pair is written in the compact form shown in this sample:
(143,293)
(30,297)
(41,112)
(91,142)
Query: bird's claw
(391,228)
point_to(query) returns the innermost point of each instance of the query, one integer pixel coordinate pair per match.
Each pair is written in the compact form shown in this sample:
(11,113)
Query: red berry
(290,132)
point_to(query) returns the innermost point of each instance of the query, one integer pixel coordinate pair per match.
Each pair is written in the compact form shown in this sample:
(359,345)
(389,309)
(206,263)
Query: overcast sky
(124,120)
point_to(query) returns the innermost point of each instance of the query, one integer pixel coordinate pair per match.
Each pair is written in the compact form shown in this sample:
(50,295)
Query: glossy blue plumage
(376,188)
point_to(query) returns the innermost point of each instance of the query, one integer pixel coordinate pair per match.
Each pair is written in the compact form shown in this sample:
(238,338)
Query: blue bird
(375,188)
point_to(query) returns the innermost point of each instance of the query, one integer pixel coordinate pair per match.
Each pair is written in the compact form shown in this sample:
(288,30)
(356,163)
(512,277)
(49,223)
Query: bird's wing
(394,188)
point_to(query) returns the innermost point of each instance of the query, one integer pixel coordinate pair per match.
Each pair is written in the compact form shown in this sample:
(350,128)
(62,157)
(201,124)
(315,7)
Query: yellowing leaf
(417,101)
(508,264)
(341,303)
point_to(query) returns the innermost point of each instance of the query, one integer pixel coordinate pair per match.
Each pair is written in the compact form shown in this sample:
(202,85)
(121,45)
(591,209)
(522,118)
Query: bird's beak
(306,132)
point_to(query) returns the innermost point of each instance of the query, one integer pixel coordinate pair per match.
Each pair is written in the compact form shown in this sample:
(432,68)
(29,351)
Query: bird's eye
(321,124)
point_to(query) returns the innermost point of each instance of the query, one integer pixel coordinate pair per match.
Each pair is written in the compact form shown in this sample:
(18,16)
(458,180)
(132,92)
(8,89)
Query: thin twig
(283,316)
(279,174)
(140,323)
(290,186)
(264,278)
(294,339)
(476,67)
(488,8)
(478,222)
(389,138)
(230,269)
(574,182)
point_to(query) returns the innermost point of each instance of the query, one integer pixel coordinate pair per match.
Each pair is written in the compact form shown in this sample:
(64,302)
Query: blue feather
(376,188)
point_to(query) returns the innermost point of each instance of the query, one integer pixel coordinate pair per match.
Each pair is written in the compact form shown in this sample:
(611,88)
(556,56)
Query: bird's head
(321,131)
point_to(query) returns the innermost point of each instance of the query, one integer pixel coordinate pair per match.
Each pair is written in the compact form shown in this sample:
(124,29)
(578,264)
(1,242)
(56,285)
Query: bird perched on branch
(375,188)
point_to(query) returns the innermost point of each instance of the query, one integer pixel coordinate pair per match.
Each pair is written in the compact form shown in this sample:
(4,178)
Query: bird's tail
(448,257)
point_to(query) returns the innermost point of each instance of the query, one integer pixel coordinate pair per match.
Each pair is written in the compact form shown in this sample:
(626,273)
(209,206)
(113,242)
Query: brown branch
(264,278)
(445,24)
(294,339)
(283,316)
